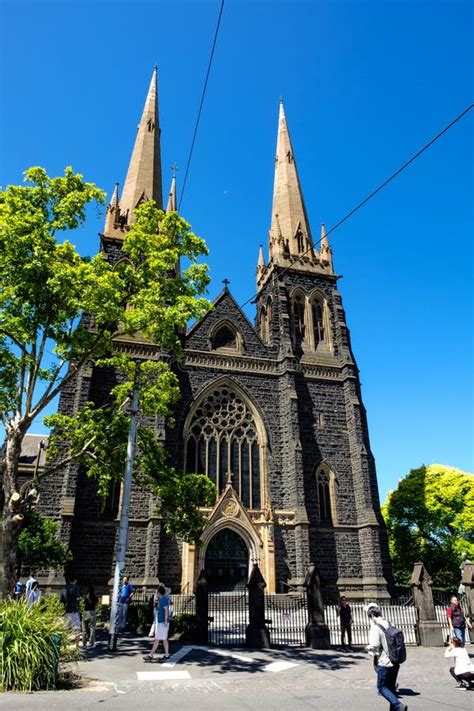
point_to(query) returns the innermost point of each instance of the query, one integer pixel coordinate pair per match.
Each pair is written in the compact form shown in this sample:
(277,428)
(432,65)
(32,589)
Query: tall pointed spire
(290,233)
(143,181)
(172,203)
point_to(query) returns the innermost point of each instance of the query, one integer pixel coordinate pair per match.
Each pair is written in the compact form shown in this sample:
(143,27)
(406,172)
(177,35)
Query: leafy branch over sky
(60,312)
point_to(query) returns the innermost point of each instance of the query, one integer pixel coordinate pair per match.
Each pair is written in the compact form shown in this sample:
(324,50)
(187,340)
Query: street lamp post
(123,526)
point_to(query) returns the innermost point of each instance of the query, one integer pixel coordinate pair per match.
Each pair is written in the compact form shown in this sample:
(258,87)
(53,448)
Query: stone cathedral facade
(272,412)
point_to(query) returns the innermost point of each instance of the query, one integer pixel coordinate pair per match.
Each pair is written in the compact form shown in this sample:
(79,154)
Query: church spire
(143,181)
(172,203)
(290,234)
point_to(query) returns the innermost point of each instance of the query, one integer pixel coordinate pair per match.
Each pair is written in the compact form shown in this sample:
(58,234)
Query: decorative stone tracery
(222,437)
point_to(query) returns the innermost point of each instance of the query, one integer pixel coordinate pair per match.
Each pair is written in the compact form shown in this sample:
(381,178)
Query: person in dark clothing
(457,620)
(345,618)
(70,599)
(89,618)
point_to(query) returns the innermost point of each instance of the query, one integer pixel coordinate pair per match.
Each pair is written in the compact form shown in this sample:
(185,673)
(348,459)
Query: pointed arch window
(326,496)
(319,331)
(298,314)
(225,338)
(222,437)
(266,322)
(263,324)
(319,328)
(300,240)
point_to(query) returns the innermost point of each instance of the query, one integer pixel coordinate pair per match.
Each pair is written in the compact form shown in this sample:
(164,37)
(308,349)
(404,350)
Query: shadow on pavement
(330,660)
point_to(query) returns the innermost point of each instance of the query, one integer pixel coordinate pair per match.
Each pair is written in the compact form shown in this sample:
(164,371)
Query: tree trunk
(10,530)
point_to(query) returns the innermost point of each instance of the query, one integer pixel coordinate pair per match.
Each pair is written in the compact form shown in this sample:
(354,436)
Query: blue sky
(365,85)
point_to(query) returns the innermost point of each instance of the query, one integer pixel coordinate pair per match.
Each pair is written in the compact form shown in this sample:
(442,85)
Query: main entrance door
(227,562)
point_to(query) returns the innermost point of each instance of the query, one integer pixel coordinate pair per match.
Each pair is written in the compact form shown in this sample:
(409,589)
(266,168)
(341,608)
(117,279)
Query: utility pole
(123,526)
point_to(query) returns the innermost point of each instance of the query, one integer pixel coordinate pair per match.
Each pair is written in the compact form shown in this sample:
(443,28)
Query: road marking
(162,675)
(234,656)
(279,666)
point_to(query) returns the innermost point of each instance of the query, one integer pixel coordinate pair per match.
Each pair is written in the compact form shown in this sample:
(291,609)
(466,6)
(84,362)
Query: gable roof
(226,310)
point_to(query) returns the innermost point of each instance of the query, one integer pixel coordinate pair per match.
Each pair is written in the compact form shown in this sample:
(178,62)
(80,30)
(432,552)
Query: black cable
(201,103)
(377,190)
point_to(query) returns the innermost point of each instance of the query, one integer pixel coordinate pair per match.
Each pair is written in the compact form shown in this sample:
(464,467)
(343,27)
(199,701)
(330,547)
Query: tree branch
(21,385)
(47,397)
(14,340)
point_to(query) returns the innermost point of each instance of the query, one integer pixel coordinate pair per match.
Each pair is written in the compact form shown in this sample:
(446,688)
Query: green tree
(38,544)
(430,517)
(60,312)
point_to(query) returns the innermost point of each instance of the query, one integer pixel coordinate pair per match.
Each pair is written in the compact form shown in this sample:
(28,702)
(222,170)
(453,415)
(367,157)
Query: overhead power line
(380,187)
(201,103)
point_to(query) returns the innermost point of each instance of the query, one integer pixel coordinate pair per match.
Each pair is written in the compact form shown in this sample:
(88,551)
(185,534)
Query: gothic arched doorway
(227,561)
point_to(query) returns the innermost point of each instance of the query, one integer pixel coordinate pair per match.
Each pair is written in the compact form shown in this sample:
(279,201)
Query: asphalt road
(209,679)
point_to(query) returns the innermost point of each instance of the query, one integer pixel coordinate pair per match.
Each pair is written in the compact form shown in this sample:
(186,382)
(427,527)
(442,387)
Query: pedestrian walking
(126,592)
(345,618)
(378,647)
(463,670)
(162,624)
(29,583)
(70,599)
(18,590)
(89,618)
(457,620)
(34,593)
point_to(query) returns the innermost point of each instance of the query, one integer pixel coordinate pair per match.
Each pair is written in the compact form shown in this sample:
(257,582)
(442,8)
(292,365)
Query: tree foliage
(38,544)
(60,312)
(430,517)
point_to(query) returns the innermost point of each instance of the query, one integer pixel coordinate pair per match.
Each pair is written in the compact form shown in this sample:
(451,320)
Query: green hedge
(34,641)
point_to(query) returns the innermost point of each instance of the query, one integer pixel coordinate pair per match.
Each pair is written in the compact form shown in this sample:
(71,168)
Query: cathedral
(271,411)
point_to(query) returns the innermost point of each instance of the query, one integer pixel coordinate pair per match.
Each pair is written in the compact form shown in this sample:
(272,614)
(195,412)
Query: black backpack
(396,649)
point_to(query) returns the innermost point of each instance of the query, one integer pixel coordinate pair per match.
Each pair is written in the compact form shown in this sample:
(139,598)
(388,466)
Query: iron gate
(287,618)
(228,618)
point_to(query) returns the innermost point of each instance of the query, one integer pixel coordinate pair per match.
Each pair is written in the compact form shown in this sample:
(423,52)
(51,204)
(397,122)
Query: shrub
(34,640)
(184,624)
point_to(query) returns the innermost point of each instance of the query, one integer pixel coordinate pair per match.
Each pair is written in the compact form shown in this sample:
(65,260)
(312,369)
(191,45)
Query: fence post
(202,609)
(256,633)
(317,631)
(429,630)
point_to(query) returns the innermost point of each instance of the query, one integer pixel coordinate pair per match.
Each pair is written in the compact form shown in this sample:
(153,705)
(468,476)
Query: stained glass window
(318,321)
(298,317)
(227,440)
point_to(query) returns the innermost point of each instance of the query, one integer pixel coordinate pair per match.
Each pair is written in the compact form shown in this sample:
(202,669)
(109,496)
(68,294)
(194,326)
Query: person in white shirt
(463,670)
(386,671)
(29,583)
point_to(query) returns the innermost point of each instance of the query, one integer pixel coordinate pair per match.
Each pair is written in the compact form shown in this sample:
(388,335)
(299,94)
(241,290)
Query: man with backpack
(387,646)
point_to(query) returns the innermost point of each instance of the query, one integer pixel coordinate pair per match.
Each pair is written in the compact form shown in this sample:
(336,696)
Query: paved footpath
(208,679)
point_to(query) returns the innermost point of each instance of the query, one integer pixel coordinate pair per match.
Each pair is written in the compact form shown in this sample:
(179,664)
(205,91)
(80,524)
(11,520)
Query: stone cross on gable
(229,476)
(226,283)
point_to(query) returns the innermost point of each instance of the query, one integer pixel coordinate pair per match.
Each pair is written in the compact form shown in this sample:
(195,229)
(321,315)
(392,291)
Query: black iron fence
(228,618)
(287,616)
